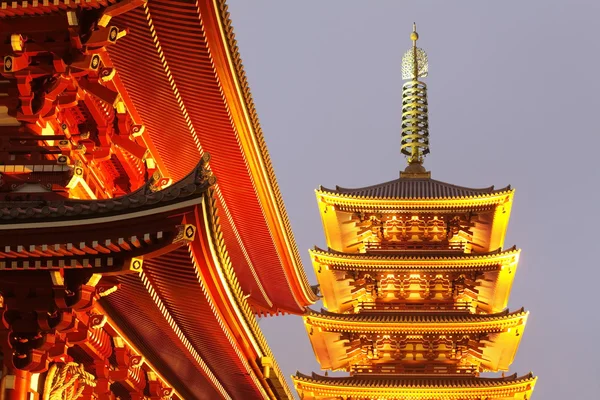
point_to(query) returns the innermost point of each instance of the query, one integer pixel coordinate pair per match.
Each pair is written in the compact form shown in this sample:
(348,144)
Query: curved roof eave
(198,80)
(389,382)
(415,321)
(272,196)
(414,193)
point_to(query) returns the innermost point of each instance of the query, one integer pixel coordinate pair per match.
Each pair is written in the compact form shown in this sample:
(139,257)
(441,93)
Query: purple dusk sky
(513,99)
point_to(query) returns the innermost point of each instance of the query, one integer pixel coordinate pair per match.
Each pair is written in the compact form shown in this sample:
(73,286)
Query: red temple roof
(181,68)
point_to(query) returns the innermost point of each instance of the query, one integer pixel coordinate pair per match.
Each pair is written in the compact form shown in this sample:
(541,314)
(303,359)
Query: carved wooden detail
(72,116)
(388,230)
(406,287)
(454,350)
(47,316)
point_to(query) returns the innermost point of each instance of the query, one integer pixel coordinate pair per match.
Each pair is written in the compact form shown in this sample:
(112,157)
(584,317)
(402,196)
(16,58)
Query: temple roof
(188,67)
(415,317)
(411,188)
(193,71)
(192,186)
(389,382)
(411,260)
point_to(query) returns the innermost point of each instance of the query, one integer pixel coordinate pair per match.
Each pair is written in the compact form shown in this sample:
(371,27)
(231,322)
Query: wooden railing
(428,369)
(414,246)
(426,307)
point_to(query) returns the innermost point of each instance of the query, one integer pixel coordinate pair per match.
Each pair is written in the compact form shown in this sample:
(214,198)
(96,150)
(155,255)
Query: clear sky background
(513,99)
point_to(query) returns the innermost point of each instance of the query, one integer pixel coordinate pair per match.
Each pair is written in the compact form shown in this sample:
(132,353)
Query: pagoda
(416,281)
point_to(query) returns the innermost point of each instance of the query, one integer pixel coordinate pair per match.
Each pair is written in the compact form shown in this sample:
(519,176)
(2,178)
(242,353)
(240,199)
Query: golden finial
(414,61)
(414,36)
(415,120)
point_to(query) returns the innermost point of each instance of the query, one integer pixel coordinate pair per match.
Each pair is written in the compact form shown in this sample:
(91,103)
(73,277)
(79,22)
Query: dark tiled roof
(413,317)
(411,188)
(192,186)
(377,381)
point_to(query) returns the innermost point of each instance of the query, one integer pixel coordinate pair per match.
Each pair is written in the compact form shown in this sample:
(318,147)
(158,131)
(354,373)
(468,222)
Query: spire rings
(415,121)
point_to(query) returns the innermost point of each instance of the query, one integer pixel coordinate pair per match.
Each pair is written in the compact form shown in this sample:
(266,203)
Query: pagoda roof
(390,382)
(365,261)
(414,193)
(318,387)
(19,211)
(412,188)
(415,321)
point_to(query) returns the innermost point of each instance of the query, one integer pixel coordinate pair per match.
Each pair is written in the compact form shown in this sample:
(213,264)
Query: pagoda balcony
(453,307)
(422,369)
(415,246)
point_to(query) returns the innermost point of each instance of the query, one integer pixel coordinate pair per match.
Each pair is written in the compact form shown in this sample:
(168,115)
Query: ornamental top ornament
(415,118)
(414,61)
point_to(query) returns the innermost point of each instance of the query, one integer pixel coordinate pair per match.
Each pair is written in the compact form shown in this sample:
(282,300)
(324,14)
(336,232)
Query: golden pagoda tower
(416,282)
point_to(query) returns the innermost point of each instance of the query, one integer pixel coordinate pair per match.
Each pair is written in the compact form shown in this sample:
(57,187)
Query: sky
(513,99)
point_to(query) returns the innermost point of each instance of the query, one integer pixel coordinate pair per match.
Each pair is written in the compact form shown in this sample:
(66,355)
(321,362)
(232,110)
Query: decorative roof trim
(352,202)
(193,186)
(413,191)
(220,320)
(235,289)
(321,387)
(270,183)
(338,260)
(395,382)
(182,337)
(415,322)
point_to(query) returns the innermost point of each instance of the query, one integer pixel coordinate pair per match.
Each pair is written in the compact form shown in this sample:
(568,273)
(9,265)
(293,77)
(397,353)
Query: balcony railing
(428,369)
(463,307)
(415,246)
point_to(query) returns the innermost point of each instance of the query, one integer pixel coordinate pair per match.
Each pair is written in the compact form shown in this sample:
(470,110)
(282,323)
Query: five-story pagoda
(416,282)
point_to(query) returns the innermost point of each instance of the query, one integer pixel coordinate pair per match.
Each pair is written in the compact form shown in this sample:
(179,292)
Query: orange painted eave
(195,77)
(228,67)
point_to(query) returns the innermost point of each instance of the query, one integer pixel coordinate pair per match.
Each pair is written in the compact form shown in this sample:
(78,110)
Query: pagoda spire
(415,119)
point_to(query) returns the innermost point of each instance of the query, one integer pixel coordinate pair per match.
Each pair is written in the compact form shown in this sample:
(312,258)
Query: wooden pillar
(15,385)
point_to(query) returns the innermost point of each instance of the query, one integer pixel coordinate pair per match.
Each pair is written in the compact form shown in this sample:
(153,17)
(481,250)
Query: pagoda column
(16,384)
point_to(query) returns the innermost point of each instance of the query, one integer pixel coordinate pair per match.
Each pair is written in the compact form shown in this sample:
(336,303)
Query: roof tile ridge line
(506,314)
(407,257)
(236,289)
(224,326)
(337,187)
(251,108)
(121,203)
(477,196)
(355,201)
(242,246)
(482,382)
(484,190)
(179,333)
(167,70)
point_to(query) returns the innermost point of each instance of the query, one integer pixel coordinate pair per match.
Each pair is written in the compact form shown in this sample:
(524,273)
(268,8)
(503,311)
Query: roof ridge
(405,256)
(414,188)
(413,381)
(411,316)
(195,184)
